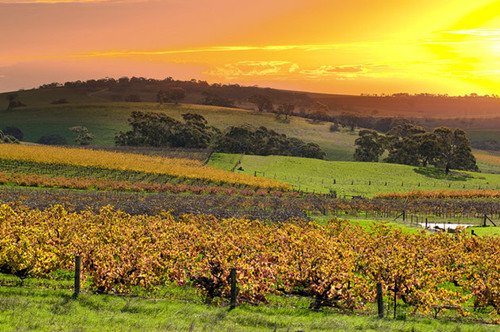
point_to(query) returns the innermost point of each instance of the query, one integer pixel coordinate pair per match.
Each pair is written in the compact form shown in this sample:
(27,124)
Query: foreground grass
(49,310)
(352,178)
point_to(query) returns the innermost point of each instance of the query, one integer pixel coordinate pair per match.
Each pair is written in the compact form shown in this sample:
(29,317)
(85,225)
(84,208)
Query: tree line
(409,144)
(159,130)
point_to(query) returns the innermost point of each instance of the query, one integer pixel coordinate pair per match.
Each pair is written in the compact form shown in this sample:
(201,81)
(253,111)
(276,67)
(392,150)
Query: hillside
(352,178)
(94,104)
(457,110)
(106,119)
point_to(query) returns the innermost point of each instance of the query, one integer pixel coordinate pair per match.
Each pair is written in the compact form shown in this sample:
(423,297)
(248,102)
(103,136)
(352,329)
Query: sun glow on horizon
(326,46)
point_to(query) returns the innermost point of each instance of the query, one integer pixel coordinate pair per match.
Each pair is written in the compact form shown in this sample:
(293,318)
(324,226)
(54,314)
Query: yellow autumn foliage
(186,168)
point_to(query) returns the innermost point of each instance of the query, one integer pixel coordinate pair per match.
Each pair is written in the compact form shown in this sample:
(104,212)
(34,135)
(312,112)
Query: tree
(170,95)
(286,109)
(262,141)
(14,101)
(216,100)
(175,94)
(444,148)
(369,146)
(160,130)
(349,120)
(82,135)
(406,129)
(262,102)
(404,144)
(428,148)
(454,150)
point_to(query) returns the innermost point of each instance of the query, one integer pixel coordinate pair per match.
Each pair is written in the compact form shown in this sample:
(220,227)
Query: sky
(332,46)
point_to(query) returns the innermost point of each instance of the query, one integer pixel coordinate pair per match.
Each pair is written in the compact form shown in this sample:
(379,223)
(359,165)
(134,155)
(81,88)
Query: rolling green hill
(106,119)
(95,109)
(352,178)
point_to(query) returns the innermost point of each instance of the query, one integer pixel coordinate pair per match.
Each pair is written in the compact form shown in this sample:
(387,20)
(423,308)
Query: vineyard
(154,226)
(34,180)
(273,207)
(335,265)
(184,168)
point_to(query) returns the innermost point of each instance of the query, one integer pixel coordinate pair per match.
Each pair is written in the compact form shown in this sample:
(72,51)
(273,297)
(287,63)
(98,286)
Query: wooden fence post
(77,275)
(233,288)
(380,301)
(395,297)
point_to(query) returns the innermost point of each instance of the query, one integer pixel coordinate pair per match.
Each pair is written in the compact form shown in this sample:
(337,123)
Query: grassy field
(49,310)
(104,120)
(350,178)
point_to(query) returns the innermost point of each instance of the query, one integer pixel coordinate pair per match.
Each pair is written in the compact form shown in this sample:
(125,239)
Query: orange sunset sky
(348,47)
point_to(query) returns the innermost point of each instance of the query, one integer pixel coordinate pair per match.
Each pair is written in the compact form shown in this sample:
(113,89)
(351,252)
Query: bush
(15,132)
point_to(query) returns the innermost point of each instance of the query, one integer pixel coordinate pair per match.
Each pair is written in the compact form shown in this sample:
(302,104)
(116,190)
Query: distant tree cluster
(216,100)
(412,145)
(262,141)
(170,95)
(159,130)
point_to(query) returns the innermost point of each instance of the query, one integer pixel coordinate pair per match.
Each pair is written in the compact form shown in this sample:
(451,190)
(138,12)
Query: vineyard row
(337,264)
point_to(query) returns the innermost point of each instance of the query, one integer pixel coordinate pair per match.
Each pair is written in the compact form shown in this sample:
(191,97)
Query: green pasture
(353,178)
(104,120)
